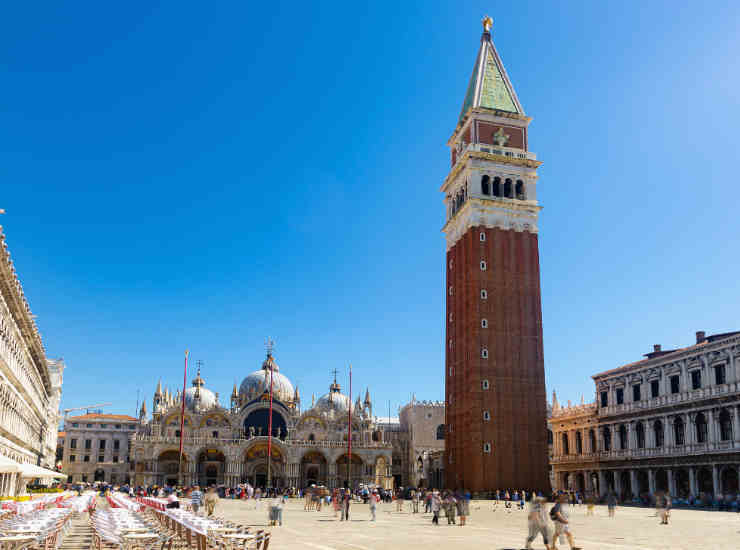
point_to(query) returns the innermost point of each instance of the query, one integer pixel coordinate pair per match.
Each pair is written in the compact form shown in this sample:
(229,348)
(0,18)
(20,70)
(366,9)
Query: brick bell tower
(496,434)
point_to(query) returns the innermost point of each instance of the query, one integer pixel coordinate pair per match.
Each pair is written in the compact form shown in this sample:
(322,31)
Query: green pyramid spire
(489,85)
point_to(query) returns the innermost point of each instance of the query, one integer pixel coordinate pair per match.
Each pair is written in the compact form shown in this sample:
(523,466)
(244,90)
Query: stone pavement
(632,529)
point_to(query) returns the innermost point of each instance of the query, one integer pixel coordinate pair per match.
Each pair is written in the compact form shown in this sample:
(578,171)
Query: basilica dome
(334,402)
(258,382)
(199,395)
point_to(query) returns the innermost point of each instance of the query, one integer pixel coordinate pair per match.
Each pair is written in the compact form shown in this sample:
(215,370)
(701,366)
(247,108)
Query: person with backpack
(559,516)
(538,523)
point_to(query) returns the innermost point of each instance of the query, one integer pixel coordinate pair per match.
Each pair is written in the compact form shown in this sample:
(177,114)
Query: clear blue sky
(190,175)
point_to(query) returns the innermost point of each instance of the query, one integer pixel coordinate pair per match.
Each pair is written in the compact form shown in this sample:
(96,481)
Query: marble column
(633,482)
(618,482)
(670,434)
(651,481)
(602,483)
(587,481)
(692,481)
(735,423)
(671,482)
(715,480)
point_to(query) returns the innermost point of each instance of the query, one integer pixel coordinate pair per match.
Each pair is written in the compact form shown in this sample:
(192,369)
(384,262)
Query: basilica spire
(489,86)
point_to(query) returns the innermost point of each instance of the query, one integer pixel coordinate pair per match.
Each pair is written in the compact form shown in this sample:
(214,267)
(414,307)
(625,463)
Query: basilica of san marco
(228,446)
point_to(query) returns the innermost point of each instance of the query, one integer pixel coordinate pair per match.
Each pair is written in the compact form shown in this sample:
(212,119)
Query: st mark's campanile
(496,433)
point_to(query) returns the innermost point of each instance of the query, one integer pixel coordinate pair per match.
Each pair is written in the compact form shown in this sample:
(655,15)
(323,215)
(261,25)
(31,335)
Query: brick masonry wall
(515,367)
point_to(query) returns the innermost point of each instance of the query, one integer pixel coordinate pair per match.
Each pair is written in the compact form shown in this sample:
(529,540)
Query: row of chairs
(139,532)
(50,537)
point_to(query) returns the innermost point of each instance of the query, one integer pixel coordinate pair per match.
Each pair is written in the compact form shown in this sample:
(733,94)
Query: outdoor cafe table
(158,503)
(8,543)
(121,501)
(195,527)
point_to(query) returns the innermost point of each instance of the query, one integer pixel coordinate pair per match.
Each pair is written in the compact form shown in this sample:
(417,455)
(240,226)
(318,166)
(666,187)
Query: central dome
(334,401)
(200,395)
(258,382)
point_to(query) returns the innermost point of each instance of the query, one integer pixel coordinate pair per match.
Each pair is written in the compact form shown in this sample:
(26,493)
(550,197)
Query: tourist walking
(196,499)
(463,506)
(450,508)
(346,497)
(373,501)
(611,503)
(663,506)
(257,498)
(559,515)
(211,499)
(436,504)
(538,523)
(428,502)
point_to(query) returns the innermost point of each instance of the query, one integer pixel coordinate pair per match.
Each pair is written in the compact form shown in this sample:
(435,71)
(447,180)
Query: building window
(101,458)
(177,433)
(450,371)
(102,444)
(485,186)
(115,458)
(116,444)
(701,428)
(719,375)
(549,437)
(604,398)
(579,443)
(84,479)
(508,189)
(654,388)
(450,317)
(486,447)
(622,437)
(695,379)
(71,458)
(450,290)
(675,384)
(485,384)
(607,439)
(566,447)
(104,425)
(482,236)
(118,426)
(658,428)
(483,265)
(484,353)
(636,392)
(483,294)
(89,425)
(450,344)
(496,187)
(88,444)
(725,426)
(86,458)
(72,443)
(484,323)
(520,190)
(640,435)
(620,396)
(486,416)
(678,431)
(441,432)
(75,425)
(592,440)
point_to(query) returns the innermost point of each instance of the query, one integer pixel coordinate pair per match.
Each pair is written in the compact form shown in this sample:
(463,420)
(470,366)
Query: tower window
(451,371)
(508,189)
(520,190)
(719,374)
(485,185)
(496,187)
(695,379)
(485,384)
(483,294)
(484,323)
(483,265)
(654,388)
(486,416)
(450,343)
(675,384)
(451,263)
(450,290)
(482,236)
(450,317)
(486,447)
(620,396)
(484,353)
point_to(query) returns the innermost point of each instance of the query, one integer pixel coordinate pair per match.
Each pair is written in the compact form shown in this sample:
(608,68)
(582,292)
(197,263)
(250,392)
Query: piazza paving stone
(631,529)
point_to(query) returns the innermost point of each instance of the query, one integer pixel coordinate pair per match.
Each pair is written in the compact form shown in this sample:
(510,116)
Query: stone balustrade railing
(215,441)
(670,399)
(653,452)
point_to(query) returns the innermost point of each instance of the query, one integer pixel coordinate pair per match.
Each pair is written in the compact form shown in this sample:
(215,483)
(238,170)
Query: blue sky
(183,175)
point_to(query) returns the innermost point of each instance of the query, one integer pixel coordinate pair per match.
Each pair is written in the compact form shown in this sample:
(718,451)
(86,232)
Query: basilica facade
(229,445)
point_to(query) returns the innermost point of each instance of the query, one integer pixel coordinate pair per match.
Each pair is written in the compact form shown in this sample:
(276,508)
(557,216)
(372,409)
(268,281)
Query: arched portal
(729,480)
(661,481)
(314,469)
(99,475)
(356,467)
(168,464)
(257,423)
(643,483)
(210,467)
(580,482)
(704,481)
(255,466)
(683,486)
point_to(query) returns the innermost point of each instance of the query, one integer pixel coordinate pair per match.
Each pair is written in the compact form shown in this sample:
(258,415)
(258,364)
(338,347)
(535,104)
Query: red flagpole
(349,433)
(182,418)
(269,436)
